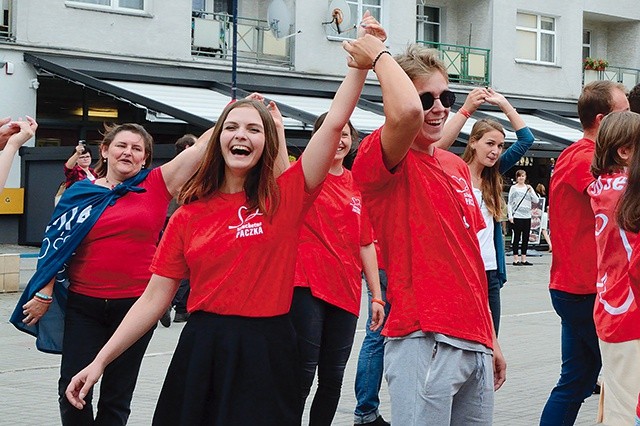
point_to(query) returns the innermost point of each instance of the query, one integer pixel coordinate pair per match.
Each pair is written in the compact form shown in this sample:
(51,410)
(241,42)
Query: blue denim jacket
(508,159)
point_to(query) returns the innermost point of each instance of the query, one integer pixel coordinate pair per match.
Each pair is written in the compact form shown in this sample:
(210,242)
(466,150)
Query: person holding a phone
(78,166)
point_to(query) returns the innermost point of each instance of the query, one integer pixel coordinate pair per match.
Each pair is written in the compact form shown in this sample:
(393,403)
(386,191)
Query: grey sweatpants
(433,383)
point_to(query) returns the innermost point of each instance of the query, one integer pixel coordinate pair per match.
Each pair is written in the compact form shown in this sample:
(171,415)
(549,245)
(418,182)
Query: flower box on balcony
(595,64)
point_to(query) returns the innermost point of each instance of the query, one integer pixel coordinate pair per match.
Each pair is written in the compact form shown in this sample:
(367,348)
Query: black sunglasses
(447,99)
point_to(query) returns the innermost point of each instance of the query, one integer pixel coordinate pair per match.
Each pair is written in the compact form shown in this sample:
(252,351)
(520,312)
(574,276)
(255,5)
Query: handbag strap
(522,199)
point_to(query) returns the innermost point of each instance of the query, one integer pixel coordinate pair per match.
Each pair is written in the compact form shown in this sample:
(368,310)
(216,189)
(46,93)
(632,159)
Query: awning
(200,102)
(177,94)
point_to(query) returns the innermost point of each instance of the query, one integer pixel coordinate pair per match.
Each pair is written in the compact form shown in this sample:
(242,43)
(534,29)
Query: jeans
(493,280)
(89,323)
(180,299)
(325,336)
(370,365)
(580,358)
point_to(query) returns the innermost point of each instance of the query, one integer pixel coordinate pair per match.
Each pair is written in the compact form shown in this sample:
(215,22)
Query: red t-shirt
(112,261)
(634,270)
(616,312)
(426,218)
(329,250)
(239,262)
(573,264)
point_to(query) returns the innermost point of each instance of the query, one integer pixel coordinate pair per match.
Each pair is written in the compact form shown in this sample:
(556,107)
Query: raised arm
(402,110)
(177,171)
(7,128)
(282,162)
(452,128)
(71,162)
(321,150)
(525,138)
(18,138)
(141,317)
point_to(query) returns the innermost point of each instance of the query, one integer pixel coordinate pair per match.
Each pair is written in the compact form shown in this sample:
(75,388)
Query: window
(215,6)
(536,38)
(358,7)
(120,5)
(586,44)
(428,23)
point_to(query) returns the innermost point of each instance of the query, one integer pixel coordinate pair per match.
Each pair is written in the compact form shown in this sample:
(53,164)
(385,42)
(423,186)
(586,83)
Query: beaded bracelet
(464,112)
(40,300)
(379,302)
(43,296)
(375,61)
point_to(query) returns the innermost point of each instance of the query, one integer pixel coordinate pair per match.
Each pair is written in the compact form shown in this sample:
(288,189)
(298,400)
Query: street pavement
(529,336)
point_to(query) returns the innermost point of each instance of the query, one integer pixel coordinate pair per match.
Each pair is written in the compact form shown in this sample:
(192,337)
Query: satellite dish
(279,19)
(339,17)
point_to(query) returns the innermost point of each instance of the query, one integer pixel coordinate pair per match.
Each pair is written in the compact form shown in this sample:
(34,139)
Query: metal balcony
(627,76)
(212,37)
(465,64)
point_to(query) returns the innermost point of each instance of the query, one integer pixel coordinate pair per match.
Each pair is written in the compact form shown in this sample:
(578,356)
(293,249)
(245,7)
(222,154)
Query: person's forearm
(6,159)
(370,269)
(282,162)
(71,162)
(141,317)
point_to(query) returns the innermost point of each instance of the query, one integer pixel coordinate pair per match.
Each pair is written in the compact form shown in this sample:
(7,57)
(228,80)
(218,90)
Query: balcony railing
(627,76)
(465,64)
(6,32)
(212,36)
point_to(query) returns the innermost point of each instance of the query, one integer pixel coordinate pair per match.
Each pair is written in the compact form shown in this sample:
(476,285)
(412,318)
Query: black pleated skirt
(231,370)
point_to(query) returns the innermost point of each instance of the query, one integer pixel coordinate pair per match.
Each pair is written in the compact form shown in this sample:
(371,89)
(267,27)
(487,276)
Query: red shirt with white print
(616,312)
(426,218)
(334,229)
(573,262)
(239,262)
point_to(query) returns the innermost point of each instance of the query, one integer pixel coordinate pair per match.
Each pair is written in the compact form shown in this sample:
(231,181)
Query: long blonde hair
(491,185)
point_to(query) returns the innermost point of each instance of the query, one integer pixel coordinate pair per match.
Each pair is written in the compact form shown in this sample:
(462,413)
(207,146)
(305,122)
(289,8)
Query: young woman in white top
(487,161)
(521,195)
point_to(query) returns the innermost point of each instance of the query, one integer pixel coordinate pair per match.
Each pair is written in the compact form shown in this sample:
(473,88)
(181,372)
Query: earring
(104,160)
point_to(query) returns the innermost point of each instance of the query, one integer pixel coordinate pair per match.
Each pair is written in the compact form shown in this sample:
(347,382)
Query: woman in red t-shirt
(110,269)
(336,246)
(236,239)
(616,312)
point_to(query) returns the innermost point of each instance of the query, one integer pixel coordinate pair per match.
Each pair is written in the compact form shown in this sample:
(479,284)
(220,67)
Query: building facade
(76,64)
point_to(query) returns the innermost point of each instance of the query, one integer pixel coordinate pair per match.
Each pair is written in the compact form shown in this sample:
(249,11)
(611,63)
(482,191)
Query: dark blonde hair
(617,130)
(111,131)
(260,186)
(420,61)
(491,185)
(628,214)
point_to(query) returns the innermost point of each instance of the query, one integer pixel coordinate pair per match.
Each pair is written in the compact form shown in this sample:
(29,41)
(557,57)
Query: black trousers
(89,323)
(325,336)
(521,229)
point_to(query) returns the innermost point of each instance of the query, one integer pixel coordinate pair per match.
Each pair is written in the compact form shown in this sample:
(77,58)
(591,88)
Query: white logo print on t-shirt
(356,205)
(244,228)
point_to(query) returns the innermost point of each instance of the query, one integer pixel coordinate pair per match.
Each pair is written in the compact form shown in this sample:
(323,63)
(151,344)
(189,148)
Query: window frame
(351,35)
(112,7)
(539,31)
(421,22)
(587,46)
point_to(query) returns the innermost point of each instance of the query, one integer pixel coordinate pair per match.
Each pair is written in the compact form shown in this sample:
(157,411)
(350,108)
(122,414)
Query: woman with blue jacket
(487,161)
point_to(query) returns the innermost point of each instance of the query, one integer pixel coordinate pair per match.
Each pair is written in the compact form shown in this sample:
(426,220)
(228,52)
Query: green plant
(595,64)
